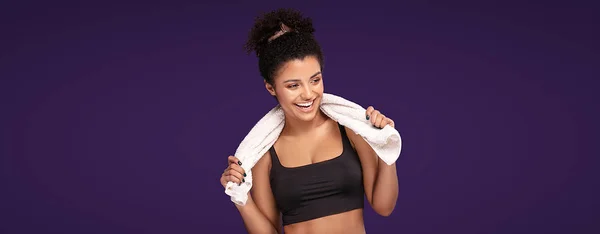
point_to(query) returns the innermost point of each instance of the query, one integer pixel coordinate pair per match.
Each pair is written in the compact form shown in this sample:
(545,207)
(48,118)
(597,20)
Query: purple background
(118,118)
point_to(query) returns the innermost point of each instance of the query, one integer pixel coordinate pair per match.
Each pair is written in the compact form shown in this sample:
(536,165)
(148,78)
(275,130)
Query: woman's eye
(293,86)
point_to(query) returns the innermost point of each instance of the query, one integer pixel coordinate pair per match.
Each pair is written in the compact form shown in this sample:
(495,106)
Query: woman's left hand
(377,118)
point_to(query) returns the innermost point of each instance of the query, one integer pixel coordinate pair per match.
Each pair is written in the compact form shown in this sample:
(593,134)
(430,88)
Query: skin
(311,137)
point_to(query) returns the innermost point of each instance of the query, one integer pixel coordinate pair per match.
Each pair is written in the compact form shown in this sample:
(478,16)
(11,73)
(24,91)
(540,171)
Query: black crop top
(319,189)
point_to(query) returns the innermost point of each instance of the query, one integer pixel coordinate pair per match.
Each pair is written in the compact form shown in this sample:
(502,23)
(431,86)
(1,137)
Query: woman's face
(299,88)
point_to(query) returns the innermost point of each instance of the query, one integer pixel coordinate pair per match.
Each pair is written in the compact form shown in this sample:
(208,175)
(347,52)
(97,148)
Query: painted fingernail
(368,117)
(240,163)
(244,174)
(243,180)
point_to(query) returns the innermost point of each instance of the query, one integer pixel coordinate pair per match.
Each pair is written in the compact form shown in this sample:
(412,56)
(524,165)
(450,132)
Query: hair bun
(268,24)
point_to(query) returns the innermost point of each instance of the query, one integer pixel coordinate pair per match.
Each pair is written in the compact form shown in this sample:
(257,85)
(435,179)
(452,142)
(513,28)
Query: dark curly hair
(297,43)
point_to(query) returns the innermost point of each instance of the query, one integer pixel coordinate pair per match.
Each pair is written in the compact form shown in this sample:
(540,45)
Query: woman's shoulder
(352,136)
(265,161)
(349,131)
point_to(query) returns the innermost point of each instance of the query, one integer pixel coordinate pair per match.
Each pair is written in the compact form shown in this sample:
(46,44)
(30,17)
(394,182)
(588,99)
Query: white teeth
(305,104)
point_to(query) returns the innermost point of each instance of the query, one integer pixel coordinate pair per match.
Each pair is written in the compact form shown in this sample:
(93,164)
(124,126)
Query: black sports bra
(319,189)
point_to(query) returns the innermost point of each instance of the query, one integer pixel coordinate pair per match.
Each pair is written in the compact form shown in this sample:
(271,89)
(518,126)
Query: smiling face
(298,87)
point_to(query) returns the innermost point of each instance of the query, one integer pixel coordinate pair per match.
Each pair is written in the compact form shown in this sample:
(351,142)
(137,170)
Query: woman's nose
(306,93)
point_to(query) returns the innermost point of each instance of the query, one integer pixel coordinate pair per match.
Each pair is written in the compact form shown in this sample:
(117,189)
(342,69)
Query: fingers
(234,172)
(235,165)
(237,171)
(224,179)
(390,122)
(231,176)
(385,121)
(380,121)
(232,159)
(370,110)
(377,119)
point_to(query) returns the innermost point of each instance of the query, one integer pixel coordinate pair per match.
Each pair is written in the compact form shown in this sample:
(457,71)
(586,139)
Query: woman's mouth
(305,106)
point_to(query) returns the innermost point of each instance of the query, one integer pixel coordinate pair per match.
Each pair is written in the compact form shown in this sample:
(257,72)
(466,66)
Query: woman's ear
(270,88)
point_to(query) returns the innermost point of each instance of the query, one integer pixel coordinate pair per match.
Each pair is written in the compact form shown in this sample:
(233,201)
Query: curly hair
(274,50)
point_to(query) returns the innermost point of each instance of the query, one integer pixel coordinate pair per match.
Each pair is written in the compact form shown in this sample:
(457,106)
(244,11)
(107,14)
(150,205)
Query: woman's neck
(295,127)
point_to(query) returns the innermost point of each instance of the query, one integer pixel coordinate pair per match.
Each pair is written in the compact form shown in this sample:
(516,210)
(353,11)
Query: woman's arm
(380,179)
(260,213)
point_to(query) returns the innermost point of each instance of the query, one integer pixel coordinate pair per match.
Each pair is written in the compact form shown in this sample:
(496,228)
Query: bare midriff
(350,222)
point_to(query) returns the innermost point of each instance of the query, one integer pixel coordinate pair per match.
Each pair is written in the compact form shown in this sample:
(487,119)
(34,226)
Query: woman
(315,177)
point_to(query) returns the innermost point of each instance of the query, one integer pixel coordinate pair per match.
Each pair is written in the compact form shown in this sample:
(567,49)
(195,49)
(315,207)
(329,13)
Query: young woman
(316,175)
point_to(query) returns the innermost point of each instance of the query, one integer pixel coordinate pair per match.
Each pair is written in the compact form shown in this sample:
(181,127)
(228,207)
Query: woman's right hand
(234,172)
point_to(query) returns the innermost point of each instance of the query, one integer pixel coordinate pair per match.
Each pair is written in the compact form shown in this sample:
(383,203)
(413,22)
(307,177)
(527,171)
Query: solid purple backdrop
(118,118)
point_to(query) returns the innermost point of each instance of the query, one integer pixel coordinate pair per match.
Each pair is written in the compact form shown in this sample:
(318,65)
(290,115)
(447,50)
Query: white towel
(386,142)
